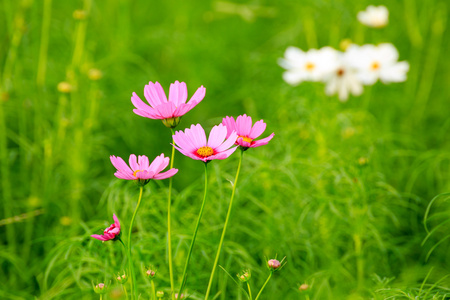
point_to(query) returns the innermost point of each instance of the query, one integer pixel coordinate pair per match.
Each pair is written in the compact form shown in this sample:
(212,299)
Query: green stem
(249,291)
(153,290)
(169,239)
(125,291)
(130,261)
(183,282)
(45,33)
(224,227)
(264,285)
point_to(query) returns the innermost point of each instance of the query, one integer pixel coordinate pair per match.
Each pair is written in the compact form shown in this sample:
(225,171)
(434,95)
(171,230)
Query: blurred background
(343,190)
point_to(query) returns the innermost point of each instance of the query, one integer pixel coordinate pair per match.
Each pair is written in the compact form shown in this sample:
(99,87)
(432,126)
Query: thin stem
(125,291)
(42,62)
(130,261)
(153,290)
(183,282)
(169,239)
(249,291)
(224,227)
(264,285)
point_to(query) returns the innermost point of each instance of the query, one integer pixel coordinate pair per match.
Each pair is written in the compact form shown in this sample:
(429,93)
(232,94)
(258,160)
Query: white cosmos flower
(377,62)
(313,65)
(343,81)
(374,16)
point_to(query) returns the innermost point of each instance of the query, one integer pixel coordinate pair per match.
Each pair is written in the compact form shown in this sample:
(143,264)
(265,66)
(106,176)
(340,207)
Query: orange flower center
(375,66)
(247,139)
(205,151)
(310,66)
(340,72)
(135,172)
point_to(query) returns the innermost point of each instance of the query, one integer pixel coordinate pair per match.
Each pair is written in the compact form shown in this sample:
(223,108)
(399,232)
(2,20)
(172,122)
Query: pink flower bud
(273,264)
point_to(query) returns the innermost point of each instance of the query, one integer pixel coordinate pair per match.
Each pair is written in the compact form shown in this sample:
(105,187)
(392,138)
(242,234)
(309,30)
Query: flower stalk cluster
(223,140)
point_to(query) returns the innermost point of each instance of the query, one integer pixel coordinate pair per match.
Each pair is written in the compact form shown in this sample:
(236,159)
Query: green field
(343,190)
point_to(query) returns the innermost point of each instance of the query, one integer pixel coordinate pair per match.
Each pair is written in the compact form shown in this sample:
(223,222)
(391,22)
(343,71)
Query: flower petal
(99,237)
(263,141)
(166,174)
(257,129)
(133,163)
(230,124)
(154,94)
(217,136)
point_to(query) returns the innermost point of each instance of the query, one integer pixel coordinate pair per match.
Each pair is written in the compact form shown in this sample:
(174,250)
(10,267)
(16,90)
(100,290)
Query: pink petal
(197,135)
(154,94)
(143,162)
(263,141)
(156,163)
(166,174)
(223,154)
(240,141)
(147,114)
(122,175)
(217,136)
(188,153)
(166,110)
(257,129)
(228,143)
(183,141)
(230,123)
(178,93)
(182,109)
(243,125)
(120,164)
(116,221)
(133,163)
(139,104)
(145,174)
(99,237)
(198,96)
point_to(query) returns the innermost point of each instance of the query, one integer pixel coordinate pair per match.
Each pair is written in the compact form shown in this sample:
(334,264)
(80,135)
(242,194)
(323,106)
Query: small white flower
(374,16)
(377,62)
(343,80)
(313,65)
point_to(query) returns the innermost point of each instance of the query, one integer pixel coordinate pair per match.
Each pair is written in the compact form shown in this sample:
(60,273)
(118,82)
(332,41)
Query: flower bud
(363,161)
(171,122)
(95,74)
(181,296)
(273,264)
(79,14)
(159,294)
(150,273)
(303,287)
(122,278)
(64,87)
(244,276)
(100,288)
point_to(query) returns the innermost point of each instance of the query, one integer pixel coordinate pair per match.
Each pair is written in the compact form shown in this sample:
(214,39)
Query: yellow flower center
(135,172)
(247,139)
(205,151)
(375,66)
(310,66)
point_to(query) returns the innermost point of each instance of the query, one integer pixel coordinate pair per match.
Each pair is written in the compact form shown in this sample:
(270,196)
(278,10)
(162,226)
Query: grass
(341,191)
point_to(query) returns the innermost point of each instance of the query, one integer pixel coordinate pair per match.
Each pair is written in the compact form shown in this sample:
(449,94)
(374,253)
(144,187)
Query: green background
(342,190)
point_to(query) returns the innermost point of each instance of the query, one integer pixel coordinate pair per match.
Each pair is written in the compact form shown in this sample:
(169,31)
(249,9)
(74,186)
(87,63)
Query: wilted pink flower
(192,142)
(246,133)
(161,108)
(140,169)
(110,233)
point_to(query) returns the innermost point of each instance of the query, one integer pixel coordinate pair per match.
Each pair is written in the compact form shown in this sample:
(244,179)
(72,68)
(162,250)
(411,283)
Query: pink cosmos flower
(141,170)
(161,108)
(246,133)
(110,233)
(192,142)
